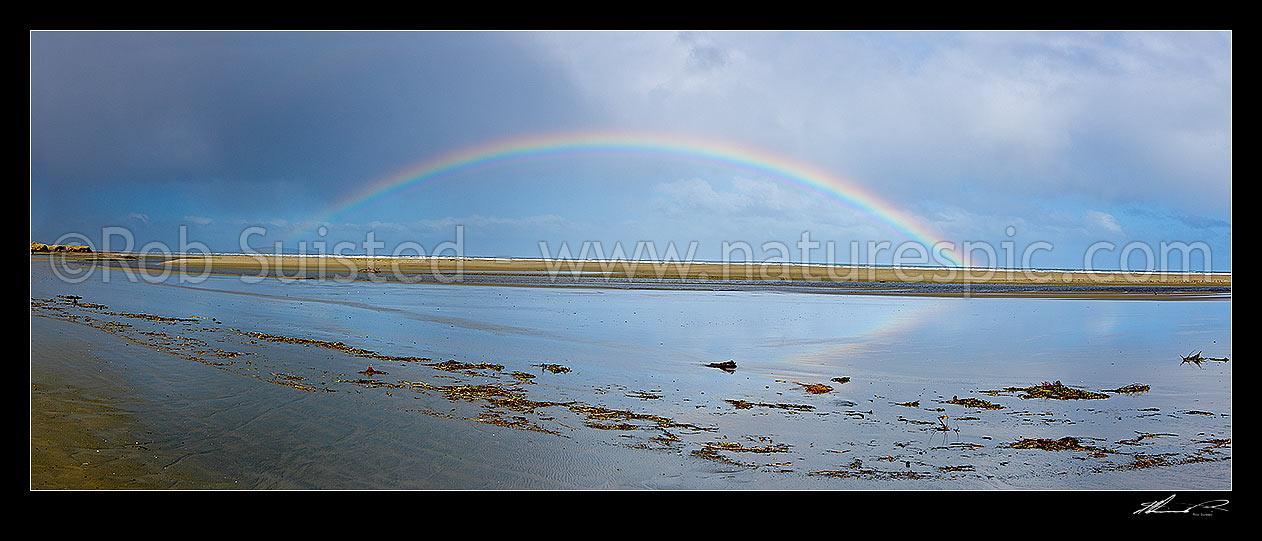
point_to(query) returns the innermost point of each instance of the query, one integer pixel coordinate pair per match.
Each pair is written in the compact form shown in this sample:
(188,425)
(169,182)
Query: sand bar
(679,274)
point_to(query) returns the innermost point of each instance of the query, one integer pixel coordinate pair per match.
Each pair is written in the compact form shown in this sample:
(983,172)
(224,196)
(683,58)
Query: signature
(1200,509)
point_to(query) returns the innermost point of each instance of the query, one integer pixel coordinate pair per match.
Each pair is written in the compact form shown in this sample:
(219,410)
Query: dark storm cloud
(322,109)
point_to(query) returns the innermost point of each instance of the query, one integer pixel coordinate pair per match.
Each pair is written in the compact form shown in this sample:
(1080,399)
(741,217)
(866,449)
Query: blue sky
(1072,139)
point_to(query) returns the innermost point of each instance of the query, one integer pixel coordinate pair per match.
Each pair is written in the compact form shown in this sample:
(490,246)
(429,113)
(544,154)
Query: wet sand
(87,422)
(279,384)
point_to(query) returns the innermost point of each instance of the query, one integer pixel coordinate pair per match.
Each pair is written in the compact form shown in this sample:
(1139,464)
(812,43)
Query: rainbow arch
(801,176)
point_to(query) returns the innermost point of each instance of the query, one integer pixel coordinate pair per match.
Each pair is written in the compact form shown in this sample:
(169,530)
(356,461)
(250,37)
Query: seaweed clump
(338,346)
(744,405)
(1064,444)
(1055,390)
(1130,389)
(554,368)
(815,388)
(974,403)
(739,448)
(455,366)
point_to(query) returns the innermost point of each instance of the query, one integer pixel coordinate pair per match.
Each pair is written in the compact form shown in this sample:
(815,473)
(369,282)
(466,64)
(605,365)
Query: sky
(1099,150)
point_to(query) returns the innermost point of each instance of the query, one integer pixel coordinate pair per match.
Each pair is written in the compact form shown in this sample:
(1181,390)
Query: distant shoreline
(672,274)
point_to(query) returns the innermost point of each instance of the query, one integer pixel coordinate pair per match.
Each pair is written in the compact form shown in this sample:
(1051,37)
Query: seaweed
(843,379)
(815,388)
(744,405)
(554,368)
(1141,436)
(739,448)
(455,366)
(1130,389)
(1067,443)
(871,474)
(973,403)
(601,413)
(712,454)
(155,318)
(1055,390)
(611,426)
(339,346)
(516,421)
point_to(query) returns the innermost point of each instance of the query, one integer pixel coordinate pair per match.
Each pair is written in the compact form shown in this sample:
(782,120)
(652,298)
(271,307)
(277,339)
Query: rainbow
(727,155)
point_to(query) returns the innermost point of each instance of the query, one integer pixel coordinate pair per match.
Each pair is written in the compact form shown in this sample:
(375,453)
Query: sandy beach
(679,274)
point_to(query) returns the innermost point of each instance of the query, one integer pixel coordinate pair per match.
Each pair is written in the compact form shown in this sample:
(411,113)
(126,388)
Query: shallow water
(248,419)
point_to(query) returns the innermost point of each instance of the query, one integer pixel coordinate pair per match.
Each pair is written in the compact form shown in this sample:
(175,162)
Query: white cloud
(1104,220)
(1113,116)
(199,220)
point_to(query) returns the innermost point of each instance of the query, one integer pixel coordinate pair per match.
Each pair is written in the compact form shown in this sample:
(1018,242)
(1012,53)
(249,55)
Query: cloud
(703,55)
(199,220)
(1103,220)
(1138,115)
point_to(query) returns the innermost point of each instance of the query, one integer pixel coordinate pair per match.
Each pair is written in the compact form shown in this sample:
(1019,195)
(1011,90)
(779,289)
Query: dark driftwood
(728,366)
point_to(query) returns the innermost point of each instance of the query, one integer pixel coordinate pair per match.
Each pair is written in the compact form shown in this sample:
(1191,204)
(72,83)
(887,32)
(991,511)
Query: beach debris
(1064,444)
(523,376)
(843,379)
(744,405)
(1197,359)
(913,404)
(1055,390)
(554,368)
(155,318)
(455,366)
(291,380)
(973,403)
(1130,389)
(338,346)
(942,426)
(1214,443)
(871,474)
(515,421)
(713,454)
(739,448)
(726,366)
(371,372)
(611,426)
(815,388)
(1141,436)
